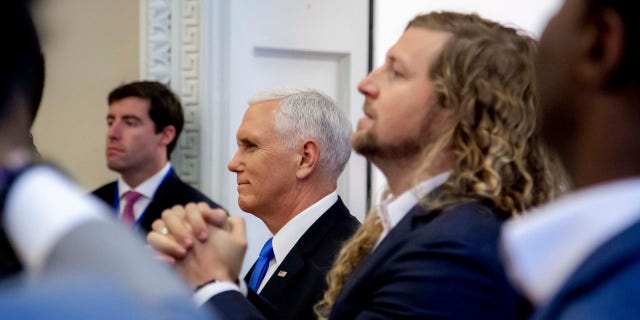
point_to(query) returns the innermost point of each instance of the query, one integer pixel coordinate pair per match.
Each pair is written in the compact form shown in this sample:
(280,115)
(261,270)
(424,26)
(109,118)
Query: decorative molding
(158,41)
(188,155)
(170,52)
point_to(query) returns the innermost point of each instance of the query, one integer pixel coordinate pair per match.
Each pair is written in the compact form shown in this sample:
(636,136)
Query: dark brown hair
(164,107)
(21,60)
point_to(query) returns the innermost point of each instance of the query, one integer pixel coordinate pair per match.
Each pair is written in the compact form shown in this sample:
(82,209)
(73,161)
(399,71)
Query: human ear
(308,160)
(168,134)
(603,47)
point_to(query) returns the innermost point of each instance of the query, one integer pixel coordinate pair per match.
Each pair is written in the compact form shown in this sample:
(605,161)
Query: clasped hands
(203,244)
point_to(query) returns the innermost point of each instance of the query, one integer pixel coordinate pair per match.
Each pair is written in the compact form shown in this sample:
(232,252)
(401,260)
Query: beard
(368,145)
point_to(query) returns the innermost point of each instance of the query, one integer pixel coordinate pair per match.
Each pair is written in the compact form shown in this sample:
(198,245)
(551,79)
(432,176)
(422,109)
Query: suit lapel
(108,194)
(247,276)
(396,237)
(296,259)
(162,199)
(286,271)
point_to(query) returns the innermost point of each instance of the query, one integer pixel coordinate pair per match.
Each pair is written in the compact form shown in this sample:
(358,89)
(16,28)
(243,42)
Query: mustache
(367,109)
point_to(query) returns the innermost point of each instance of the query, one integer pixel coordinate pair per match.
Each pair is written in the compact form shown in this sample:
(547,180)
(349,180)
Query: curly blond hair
(485,77)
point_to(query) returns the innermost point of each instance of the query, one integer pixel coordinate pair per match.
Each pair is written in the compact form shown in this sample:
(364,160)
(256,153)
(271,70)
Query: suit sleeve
(262,305)
(233,305)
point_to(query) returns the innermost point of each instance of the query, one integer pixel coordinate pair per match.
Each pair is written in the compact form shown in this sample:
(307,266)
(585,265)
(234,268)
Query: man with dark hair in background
(579,257)
(144,122)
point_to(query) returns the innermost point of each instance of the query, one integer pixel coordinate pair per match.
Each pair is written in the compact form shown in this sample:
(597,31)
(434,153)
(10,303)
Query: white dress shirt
(392,209)
(545,247)
(147,189)
(43,206)
(288,236)
(283,241)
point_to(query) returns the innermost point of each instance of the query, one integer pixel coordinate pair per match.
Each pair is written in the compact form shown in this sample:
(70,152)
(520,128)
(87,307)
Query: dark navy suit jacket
(306,265)
(172,191)
(437,264)
(605,286)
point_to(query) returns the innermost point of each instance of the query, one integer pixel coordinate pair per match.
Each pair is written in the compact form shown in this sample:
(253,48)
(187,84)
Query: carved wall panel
(170,53)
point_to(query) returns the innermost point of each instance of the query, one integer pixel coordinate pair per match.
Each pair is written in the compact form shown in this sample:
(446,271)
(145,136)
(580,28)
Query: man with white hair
(292,147)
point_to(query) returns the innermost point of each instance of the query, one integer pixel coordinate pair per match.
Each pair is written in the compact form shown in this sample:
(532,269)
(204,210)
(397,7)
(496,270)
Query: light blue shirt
(545,247)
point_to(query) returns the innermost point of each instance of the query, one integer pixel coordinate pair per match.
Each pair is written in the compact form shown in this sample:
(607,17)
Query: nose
(234,164)
(368,86)
(113,131)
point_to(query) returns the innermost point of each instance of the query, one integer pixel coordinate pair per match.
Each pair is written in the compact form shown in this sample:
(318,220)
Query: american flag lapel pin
(282,273)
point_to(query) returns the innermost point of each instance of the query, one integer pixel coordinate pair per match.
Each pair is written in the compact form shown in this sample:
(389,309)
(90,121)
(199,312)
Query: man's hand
(203,243)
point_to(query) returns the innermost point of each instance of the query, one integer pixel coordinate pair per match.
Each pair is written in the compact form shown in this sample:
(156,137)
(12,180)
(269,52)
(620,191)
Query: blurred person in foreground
(579,257)
(76,261)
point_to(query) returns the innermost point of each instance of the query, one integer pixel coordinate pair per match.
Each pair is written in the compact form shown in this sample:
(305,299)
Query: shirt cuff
(42,207)
(206,292)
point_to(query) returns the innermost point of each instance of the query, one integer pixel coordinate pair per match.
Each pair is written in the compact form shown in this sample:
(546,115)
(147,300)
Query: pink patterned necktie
(130,198)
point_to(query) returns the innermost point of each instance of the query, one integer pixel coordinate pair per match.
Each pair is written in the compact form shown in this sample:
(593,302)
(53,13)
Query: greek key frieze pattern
(183,74)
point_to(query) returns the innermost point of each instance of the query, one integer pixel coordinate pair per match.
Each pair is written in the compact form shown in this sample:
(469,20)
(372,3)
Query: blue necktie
(266,254)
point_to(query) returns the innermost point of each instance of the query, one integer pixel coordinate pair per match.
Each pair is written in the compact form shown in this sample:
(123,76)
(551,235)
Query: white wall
(259,44)
(391,18)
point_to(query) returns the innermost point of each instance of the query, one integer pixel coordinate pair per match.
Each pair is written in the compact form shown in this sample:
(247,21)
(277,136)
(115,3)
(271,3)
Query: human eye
(246,145)
(132,122)
(397,74)
(398,69)
(251,146)
(394,72)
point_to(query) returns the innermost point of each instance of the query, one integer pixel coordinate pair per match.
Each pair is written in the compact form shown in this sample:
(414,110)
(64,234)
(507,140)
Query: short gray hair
(310,114)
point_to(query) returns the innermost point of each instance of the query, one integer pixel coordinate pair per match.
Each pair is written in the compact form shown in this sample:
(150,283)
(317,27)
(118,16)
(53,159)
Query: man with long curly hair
(450,119)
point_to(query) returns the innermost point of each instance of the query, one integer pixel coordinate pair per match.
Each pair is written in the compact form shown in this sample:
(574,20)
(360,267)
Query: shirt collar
(393,209)
(544,248)
(148,187)
(288,236)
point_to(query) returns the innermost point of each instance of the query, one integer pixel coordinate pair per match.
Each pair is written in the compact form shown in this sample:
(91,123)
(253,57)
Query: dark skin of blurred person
(577,258)
(22,82)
